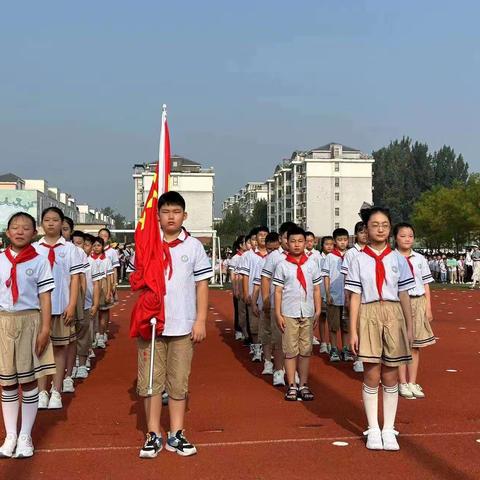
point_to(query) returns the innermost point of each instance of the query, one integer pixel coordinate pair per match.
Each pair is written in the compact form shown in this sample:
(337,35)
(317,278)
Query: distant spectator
(468,266)
(461,269)
(452,269)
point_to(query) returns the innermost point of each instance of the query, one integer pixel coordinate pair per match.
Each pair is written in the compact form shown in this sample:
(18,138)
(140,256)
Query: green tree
(232,225)
(448,168)
(259,214)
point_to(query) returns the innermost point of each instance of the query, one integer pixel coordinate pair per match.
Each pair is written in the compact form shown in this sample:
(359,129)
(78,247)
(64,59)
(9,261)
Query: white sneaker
(24,446)
(82,372)
(278,378)
(323,348)
(88,364)
(105,337)
(77,361)
(55,402)
(91,353)
(94,343)
(257,353)
(358,366)
(417,390)
(8,447)
(238,336)
(389,438)
(315,341)
(405,392)
(68,386)
(43,399)
(329,348)
(74,372)
(101,342)
(267,368)
(374,439)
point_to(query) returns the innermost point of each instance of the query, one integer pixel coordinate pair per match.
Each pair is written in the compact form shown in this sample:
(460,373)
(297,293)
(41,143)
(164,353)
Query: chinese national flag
(150,260)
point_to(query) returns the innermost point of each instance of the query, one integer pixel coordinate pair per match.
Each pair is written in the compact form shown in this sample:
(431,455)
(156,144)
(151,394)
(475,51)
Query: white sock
(390,402)
(29,411)
(370,403)
(10,407)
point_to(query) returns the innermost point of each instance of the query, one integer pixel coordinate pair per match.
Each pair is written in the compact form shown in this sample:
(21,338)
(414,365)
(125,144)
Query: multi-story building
(33,196)
(246,198)
(196,184)
(320,189)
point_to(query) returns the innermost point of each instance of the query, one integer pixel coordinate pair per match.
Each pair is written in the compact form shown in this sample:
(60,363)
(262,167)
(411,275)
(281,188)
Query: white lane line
(254,442)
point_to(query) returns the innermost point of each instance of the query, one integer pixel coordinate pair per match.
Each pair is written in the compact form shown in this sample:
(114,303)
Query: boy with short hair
(297,309)
(310,244)
(326,247)
(186,307)
(335,293)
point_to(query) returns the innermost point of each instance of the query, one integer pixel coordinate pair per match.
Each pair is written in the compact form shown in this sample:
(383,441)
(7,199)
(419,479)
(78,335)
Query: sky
(246,84)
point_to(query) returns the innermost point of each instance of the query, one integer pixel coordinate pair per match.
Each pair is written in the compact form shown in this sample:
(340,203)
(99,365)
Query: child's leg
(413,367)
(371,379)
(176,409)
(303,368)
(390,396)
(276,342)
(60,354)
(290,369)
(29,407)
(43,383)
(10,408)
(402,372)
(153,412)
(102,321)
(305,346)
(323,328)
(71,357)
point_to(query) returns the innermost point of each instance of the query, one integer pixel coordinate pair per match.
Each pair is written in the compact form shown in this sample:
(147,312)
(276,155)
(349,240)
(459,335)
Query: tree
(232,225)
(259,214)
(448,168)
(119,220)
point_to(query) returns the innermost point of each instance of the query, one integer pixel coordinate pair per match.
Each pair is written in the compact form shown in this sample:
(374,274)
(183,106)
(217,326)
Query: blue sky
(81,85)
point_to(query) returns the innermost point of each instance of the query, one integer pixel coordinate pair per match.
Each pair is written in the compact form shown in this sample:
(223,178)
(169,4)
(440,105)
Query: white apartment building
(246,198)
(320,189)
(34,195)
(194,183)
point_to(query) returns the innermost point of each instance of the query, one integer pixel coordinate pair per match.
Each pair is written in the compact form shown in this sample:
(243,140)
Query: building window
(337,196)
(337,166)
(337,212)
(174,181)
(337,225)
(337,181)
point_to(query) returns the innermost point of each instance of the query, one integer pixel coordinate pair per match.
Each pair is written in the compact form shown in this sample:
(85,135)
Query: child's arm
(354,309)
(265,286)
(407,313)
(429,302)
(256,291)
(199,330)
(83,283)
(69,313)
(247,298)
(317,301)
(43,336)
(97,289)
(326,281)
(278,309)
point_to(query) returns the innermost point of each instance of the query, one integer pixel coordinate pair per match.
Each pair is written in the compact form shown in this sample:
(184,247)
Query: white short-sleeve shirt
(349,255)
(331,268)
(248,266)
(297,303)
(361,277)
(67,263)
(271,262)
(33,278)
(112,254)
(92,274)
(422,273)
(131,263)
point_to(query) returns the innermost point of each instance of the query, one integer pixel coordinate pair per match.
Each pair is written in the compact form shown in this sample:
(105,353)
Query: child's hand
(429,315)
(69,315)
(94,310)
(42,341)
(256,312)
(199,332)
(330,300)
(108,298)
(354,343)
(316,318)
(248,300)
(410,336)
(281,323)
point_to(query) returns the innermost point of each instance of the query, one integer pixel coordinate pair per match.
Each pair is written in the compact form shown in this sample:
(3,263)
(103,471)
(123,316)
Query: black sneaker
(178,443)
(152,446)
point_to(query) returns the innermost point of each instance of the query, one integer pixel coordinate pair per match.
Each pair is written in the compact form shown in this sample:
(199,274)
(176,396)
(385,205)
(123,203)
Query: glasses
(378,226)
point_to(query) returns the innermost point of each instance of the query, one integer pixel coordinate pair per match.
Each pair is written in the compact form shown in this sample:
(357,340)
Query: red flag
(150,260)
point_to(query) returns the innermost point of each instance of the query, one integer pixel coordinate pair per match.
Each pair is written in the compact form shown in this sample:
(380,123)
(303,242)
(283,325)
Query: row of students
(49,293)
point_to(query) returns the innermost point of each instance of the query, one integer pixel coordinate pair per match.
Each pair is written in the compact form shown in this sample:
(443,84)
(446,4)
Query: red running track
(245,430)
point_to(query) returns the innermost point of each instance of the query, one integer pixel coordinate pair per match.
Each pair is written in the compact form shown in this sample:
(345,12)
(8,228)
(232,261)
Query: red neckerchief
(337,253)
(299,263)
(410,265)
(239,253)
(379,266)
(260,254)
(309,253)
(166,250)
(108,247)
(51,252)
(24,255)
(101,256)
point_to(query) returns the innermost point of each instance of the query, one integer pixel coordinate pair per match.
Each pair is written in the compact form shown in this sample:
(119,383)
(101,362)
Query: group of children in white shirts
(52,291)
(374,300)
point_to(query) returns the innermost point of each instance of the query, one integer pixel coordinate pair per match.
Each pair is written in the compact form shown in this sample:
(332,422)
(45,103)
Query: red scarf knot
(379,266)
(51,252)
(299,262)
(100,256)
(166,250)
(24,255)
(338,253)
(410,265)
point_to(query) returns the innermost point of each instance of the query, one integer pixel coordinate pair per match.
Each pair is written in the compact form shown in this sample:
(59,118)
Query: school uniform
(232,265)
(271,262)
(382,329)
(20,320)
(332,268)
(350,254)
(297,306)
(265,330)
(422,331)
(174,348)
(103,264)
(81,293)
(65,262)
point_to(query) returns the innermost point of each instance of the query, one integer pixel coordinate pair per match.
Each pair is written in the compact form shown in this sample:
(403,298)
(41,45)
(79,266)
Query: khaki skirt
(18,360)
(382,334)
(422,331)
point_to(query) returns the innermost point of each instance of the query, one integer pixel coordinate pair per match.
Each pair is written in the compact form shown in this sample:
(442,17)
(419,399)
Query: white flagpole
(153,323)
(161,153)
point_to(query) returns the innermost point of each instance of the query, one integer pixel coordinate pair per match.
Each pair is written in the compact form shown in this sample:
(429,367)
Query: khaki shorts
(171,369)
(336,319)
(382,334)
(61,334)
(18,361)
(84,339)
(265,334)
(276,333)
(80,305)
(422,330)
(254,321)
(104,305)
(297,337)
(242,317)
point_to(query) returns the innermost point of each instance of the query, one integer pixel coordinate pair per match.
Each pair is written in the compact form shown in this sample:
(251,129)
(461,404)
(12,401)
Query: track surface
(245,430)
